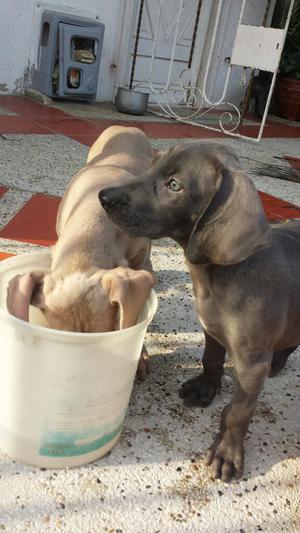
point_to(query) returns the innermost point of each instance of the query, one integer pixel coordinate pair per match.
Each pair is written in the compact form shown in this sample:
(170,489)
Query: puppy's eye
(174,185)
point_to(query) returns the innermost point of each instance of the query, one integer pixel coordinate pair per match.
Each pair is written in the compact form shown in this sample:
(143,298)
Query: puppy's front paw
(197,392)
(226,457)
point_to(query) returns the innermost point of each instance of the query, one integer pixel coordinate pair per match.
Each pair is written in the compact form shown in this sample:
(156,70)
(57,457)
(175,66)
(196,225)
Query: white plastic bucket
(63,395)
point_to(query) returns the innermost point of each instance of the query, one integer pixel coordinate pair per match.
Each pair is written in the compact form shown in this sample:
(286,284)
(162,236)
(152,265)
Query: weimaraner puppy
(245,276)
(99,277)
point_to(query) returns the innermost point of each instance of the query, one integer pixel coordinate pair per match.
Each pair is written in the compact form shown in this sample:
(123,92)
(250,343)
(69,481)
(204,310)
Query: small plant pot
(131,102)
(287,98)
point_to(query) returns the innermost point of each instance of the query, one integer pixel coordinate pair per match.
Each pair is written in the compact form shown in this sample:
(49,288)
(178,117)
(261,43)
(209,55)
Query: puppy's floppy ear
(129,289)
(232,227)
(24,290)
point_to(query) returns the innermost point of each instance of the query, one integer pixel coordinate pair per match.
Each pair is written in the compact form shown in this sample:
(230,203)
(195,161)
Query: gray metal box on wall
(69,56)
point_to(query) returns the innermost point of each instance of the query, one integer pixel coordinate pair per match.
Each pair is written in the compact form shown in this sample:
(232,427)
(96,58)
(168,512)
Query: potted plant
(287,92)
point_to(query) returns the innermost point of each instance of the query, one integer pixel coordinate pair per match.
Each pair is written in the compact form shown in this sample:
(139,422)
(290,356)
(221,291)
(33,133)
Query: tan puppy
(99,278)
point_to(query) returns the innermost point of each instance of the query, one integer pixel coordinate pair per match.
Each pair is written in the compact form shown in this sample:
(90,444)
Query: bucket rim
(44,331)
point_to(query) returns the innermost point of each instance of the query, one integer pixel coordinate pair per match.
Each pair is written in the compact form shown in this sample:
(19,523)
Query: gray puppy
(245,276)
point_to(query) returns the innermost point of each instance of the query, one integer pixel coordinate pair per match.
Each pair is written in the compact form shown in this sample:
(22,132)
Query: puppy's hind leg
(279,359)
(200,391)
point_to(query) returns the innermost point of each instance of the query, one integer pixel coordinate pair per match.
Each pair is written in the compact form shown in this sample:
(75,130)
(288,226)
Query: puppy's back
(124,147)
(82,224)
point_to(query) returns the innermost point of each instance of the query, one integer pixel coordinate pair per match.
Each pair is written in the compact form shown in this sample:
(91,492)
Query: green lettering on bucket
(69,444)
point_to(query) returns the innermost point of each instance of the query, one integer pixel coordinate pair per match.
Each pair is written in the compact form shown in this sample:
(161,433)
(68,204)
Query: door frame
(129,22)
(129,14)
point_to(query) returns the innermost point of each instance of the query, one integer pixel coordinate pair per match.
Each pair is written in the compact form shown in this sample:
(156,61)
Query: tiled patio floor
(154,480)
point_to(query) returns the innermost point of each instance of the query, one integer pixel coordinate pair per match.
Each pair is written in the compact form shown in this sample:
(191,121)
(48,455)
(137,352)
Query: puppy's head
(104,301)
(197,195)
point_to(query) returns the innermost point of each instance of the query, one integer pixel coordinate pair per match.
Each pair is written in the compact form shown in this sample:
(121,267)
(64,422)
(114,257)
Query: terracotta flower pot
(287,98)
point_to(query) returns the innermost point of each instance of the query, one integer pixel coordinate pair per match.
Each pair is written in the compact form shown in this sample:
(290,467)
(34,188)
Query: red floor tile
(163,130)
(73,126)
(35,222)
(26,107)
(293,161)
(41,118)
(5,255)
(168,131)
(277,209)
(81,130)
(272,131)
(3,190)
(12,124)
(87,140)
(176,130)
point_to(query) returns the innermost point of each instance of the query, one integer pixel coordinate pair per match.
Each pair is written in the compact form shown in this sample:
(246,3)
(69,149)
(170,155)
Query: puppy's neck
(182,234)
(201,278)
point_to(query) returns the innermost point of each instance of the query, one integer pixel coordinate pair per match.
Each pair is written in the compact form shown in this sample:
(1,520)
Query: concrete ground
(154,480)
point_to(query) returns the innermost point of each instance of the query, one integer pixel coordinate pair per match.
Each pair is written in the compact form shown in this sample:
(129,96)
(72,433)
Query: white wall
(20,22)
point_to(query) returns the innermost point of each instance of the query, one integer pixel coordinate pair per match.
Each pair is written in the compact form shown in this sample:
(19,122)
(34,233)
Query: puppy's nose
(107,198)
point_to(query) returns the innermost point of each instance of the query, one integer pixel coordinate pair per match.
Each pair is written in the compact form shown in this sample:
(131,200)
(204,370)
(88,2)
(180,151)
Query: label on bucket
(80,429)
(67,444)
